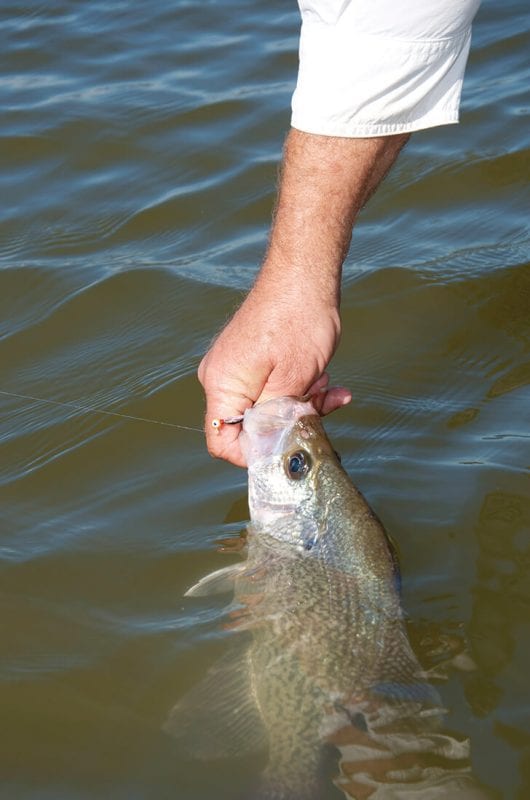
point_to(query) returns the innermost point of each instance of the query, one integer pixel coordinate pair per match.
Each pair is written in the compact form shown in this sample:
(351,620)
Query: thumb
(222,441)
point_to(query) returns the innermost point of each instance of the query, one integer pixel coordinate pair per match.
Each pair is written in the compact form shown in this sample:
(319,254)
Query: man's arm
(281,339)
(366,70)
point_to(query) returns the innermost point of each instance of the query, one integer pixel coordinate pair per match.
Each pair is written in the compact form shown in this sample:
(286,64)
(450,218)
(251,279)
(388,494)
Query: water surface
(139,146)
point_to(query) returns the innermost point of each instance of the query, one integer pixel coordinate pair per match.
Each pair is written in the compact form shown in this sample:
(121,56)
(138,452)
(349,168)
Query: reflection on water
(139,149)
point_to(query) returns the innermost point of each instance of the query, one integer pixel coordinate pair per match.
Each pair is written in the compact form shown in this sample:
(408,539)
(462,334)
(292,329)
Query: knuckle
(213,448)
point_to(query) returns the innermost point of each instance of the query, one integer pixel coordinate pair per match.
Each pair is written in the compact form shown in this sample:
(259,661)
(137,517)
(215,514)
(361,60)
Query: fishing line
(91,410)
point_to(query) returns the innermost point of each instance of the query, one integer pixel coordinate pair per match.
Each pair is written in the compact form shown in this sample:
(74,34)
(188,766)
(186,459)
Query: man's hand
(280,341)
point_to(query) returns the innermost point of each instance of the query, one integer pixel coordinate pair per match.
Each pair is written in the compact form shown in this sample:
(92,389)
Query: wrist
(301,283)
(299,307)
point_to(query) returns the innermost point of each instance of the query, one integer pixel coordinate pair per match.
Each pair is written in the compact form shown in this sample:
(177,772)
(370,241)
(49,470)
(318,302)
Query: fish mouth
(261,494)
(273,512)
(266,425)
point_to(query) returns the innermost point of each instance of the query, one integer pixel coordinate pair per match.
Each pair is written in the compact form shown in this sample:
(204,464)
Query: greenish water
(138,148)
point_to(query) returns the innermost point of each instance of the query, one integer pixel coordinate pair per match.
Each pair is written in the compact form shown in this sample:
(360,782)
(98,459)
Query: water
(139,149)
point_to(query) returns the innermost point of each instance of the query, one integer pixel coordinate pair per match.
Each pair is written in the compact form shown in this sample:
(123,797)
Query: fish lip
(267,425)
(288,408)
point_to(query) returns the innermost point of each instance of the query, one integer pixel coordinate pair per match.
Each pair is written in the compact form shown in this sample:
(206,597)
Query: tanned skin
(283,336)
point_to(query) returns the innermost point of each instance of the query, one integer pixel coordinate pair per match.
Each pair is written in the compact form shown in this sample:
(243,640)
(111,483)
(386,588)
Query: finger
(319,385)
(334,398)
(222,442)
(292,385)
(317,392)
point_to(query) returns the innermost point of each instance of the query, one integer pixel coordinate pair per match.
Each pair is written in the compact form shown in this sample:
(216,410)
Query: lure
(218,423)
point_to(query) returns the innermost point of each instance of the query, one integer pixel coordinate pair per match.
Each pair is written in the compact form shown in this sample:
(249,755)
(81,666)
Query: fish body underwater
(322,675)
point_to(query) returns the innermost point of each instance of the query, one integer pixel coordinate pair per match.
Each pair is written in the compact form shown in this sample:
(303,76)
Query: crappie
(323,677)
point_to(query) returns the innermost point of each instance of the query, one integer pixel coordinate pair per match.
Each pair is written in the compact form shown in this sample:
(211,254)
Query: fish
(321,676)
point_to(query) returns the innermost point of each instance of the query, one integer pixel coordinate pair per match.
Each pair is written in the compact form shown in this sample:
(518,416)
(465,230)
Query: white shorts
(379,67)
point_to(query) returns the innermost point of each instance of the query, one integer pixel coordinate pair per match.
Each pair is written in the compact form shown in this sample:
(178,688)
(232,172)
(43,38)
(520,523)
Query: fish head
(287,450)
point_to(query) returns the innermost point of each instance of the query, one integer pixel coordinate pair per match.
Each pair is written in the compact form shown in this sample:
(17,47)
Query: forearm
(281,339)
(325,181)
(365,69)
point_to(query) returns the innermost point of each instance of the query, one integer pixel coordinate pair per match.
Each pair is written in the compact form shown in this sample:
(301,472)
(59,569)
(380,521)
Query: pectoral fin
(219,582)
(219,718)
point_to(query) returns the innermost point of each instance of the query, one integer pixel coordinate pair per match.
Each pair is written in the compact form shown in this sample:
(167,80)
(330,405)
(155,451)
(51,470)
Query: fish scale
(326,679)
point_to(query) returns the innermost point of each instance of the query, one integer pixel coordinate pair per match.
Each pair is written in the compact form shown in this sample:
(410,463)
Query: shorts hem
(367,130)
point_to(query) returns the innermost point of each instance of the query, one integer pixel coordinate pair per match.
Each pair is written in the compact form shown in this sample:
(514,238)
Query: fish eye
(298,464)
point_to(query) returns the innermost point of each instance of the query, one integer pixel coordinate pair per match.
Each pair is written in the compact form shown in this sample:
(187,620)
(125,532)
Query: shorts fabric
(380,67)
